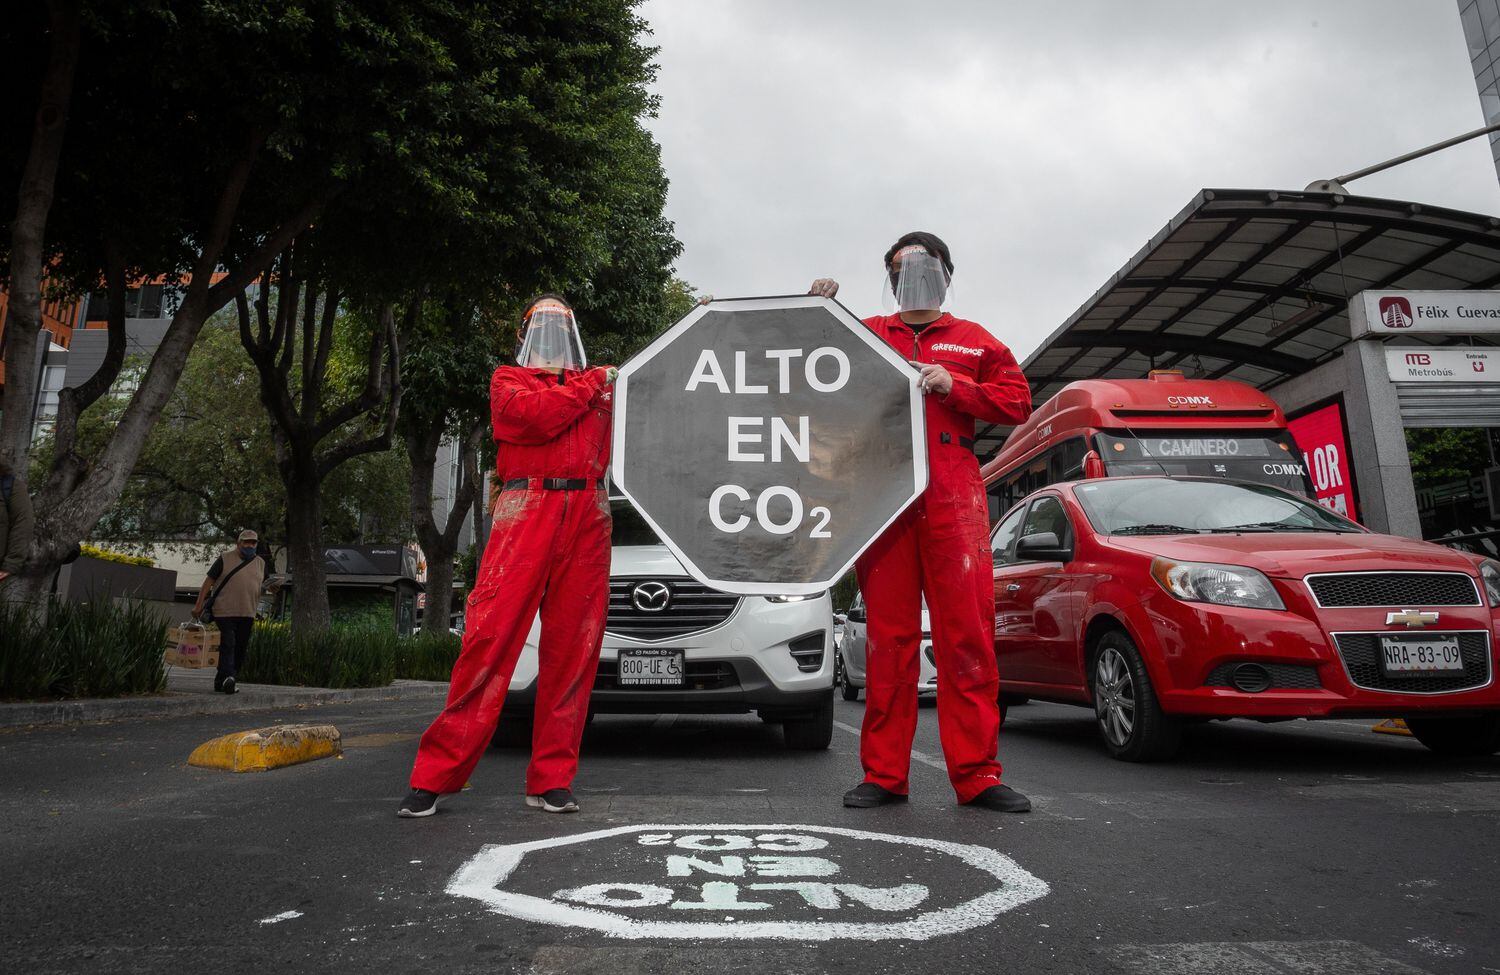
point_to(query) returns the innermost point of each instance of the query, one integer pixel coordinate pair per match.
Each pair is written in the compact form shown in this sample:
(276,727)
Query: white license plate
(650,668)
(1409,656)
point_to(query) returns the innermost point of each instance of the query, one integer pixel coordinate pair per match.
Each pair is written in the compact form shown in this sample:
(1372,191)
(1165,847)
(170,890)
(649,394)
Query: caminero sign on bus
(768,441)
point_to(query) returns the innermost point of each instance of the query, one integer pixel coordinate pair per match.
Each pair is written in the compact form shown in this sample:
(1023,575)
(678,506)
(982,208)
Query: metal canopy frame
(1254,285)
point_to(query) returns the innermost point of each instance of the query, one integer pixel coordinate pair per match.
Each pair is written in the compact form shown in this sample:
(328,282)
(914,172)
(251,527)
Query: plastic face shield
(550,340)
(916,281)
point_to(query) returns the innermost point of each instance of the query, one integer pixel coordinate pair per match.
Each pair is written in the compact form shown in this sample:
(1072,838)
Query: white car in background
(852,653)
(674,646)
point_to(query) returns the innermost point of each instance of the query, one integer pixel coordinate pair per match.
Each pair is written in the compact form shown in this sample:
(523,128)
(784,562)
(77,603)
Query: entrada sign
(740,882)
(1427,312)
(1430,364)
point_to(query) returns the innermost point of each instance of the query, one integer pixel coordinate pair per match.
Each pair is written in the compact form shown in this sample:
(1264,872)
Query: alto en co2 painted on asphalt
(742,882)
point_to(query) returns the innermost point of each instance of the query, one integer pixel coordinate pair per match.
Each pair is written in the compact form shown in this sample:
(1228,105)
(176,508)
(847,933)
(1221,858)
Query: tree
(208,468)
(257,116)
(316,433)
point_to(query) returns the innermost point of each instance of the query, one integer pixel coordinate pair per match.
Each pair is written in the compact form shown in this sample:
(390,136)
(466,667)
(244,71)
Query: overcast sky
(1045,142)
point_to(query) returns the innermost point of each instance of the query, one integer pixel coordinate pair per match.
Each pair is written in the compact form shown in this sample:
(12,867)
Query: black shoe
(228,686)
(554,801)
(867,795)
(1001,798)
(218,684)
(420,803)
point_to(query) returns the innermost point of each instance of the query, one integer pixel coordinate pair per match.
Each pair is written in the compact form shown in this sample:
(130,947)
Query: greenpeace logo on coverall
(740,882)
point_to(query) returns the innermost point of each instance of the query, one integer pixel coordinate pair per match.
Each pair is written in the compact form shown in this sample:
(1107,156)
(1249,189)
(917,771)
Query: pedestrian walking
(229,598)
(548,552)
(938,547)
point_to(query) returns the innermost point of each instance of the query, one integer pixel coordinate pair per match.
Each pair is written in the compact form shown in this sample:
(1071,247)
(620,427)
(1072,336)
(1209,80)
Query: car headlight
(1489,571)
(791,599)
(1223,585)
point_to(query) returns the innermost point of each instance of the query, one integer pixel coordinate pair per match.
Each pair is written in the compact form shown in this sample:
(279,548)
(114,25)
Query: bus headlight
(1222,585)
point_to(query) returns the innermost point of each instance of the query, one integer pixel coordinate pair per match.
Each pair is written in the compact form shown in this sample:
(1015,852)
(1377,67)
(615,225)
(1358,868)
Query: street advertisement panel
(768,441)
(1321,438)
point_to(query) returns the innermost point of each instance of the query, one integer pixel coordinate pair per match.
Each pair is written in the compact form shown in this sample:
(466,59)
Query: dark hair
(543,297)
(932,242)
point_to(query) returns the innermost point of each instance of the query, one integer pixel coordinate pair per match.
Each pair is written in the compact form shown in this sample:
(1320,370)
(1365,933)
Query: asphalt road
(1292,848)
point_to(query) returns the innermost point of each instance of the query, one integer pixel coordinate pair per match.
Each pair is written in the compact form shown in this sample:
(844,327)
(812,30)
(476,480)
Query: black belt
(966,443)
(549,483)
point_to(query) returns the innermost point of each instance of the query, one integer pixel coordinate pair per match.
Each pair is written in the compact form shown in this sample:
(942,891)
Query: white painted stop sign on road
(769,441)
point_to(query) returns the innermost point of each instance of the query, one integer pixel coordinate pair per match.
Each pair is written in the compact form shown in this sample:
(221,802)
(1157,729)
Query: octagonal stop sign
(769,441)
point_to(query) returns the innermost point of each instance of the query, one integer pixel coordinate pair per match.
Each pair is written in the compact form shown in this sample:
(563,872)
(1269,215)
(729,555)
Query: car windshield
(629,527)
(1178,506)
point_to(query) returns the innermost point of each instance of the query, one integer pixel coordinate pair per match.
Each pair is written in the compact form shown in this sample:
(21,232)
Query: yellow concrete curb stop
(1392,726)
(263,749)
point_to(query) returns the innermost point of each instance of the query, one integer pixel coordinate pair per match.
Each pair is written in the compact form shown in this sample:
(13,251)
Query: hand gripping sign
(768,441)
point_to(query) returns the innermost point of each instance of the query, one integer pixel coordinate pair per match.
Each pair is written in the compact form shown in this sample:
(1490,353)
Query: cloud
(1044,142)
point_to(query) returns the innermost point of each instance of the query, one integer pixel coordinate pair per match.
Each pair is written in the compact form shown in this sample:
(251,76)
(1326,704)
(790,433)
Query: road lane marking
(920,756)
(278,918)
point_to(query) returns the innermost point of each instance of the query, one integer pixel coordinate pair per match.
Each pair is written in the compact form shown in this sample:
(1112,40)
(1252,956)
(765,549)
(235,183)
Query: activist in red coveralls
(939,546)
(549,550)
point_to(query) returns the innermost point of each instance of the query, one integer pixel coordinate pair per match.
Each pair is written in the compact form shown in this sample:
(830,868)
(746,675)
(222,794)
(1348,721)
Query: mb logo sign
(738,882)
(768,441)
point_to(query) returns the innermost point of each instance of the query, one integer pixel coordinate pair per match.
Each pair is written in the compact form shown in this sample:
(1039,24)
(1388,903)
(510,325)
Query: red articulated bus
(1164,425)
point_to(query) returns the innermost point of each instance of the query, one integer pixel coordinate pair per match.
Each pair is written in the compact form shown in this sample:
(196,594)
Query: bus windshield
(1271,458)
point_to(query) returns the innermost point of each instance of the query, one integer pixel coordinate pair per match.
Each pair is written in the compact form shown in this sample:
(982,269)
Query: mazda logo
(650,597)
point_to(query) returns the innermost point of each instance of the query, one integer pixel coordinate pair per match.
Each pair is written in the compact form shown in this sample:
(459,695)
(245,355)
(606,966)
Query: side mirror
(1093,465)
(856,615)
(1042,547)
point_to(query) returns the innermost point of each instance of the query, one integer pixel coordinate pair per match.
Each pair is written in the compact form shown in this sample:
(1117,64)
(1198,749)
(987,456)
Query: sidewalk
(192,692)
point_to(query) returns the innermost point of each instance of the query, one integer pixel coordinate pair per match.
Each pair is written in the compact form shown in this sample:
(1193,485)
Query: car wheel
(811,733)
(849,691)
(513,731)
(1473,736)
(1131,721)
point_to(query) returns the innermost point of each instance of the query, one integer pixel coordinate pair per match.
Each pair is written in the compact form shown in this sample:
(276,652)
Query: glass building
(1481,19)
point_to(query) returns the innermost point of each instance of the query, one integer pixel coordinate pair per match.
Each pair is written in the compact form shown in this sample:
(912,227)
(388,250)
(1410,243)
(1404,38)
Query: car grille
(691,606)
(1283,676)
(1361,653)
(1394,589)
(706,675)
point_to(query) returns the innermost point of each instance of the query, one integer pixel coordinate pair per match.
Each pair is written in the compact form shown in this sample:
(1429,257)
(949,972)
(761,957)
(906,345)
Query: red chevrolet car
(1162,600)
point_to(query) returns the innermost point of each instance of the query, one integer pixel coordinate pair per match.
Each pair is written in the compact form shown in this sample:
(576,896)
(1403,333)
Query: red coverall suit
(548,549)
(940,546)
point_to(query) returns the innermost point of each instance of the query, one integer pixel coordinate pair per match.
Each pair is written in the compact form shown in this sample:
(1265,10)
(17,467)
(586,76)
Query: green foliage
(427,656)
(367,610)
(1443,454)
(109,555)
(94,649)
(353,656)
(208,469)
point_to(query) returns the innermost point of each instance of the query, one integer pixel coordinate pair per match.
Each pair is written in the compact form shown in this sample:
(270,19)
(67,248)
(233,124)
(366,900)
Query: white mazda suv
(675,646)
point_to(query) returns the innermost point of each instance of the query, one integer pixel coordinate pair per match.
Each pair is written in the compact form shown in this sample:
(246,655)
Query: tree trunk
(304,554)
(439,542)
(28,251)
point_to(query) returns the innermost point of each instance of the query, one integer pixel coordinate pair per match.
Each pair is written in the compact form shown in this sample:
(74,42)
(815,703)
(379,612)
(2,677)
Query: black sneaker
(420,803)
(1001,798)
(867,795)
(228,686)
(554,801)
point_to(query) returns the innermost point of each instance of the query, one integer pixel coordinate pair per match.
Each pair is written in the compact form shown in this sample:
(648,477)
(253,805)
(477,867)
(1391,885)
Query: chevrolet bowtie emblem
(1412,619)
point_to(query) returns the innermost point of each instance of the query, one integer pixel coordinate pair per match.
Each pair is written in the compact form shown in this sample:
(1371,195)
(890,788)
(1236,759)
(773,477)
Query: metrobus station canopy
(1254,285)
